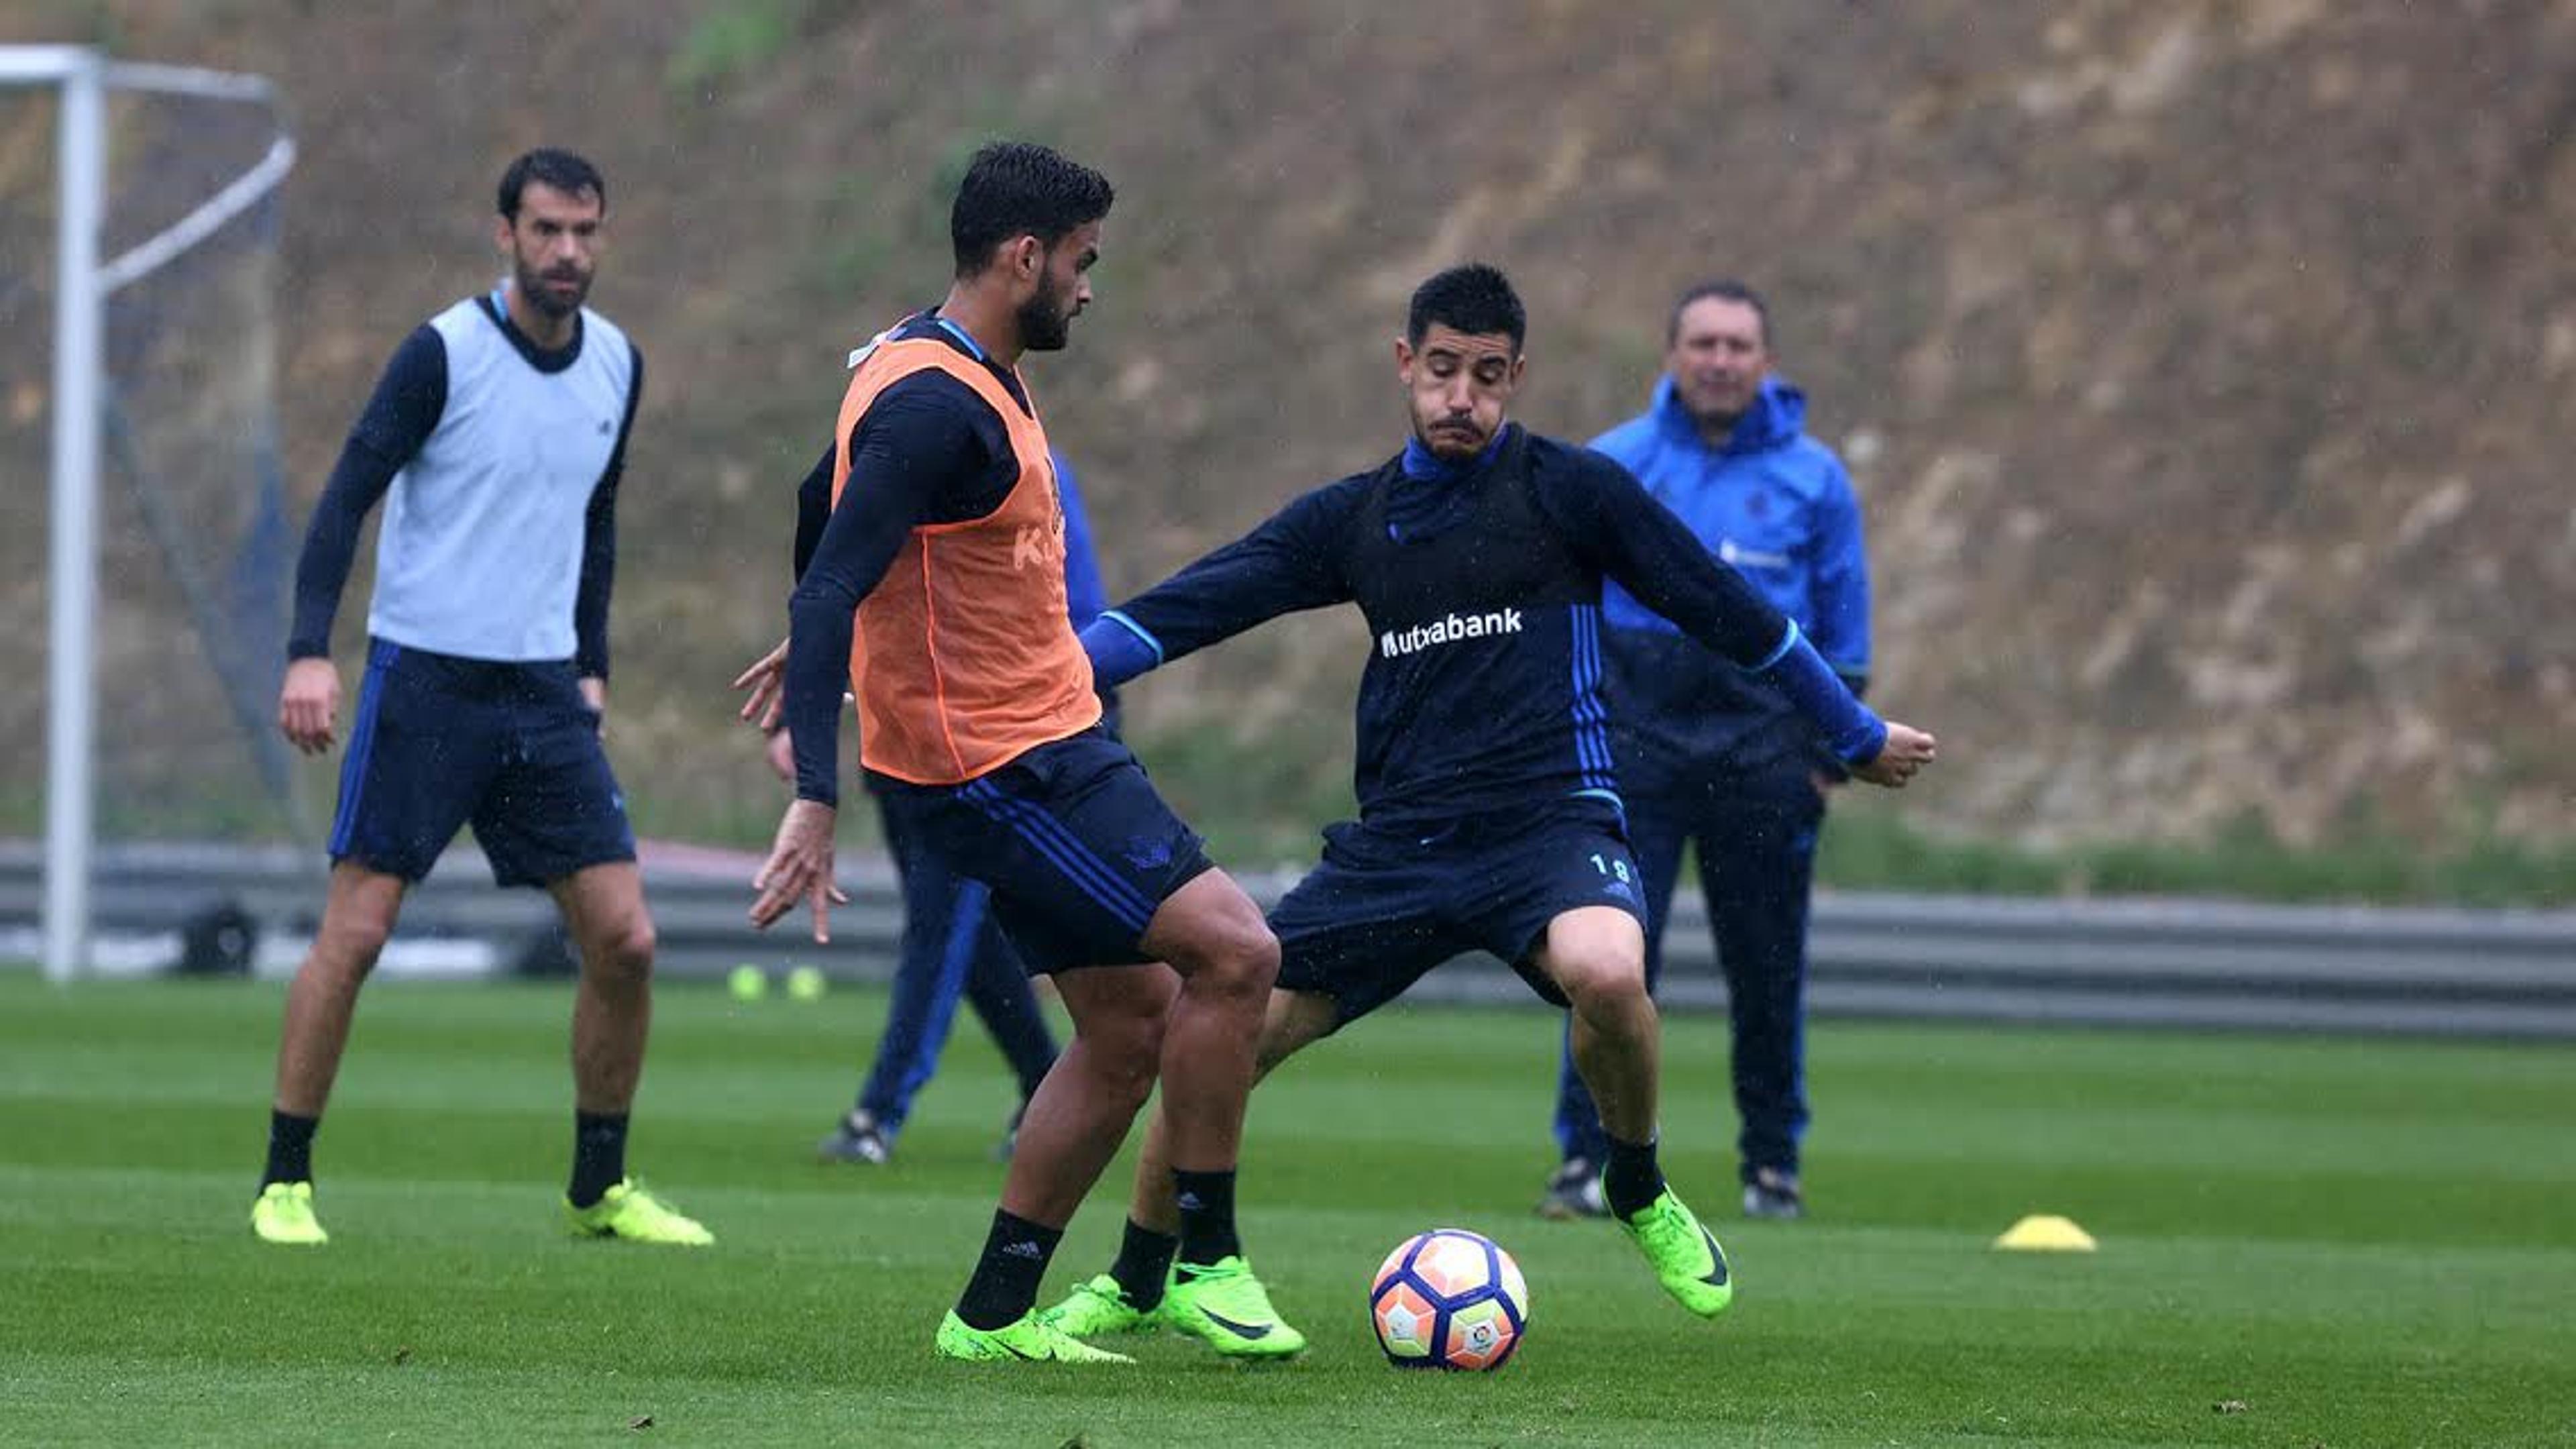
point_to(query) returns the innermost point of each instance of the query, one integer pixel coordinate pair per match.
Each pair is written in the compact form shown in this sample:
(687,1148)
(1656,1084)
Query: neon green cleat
(1100,1308)
(1224,1304)
(1683,1254)
(284,1214)
(1030,1338)
(632,1212)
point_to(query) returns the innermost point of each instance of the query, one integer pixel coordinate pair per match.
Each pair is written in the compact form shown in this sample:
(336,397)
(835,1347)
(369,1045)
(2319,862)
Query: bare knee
(1213,935)
(623,951)
(1236,957)
(347,945)
(1602,983)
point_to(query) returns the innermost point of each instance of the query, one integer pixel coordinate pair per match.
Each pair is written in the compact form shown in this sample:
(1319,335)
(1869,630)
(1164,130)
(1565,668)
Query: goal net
(192,540)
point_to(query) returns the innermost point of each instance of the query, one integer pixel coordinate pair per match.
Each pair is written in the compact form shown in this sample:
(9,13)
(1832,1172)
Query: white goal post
(81,78)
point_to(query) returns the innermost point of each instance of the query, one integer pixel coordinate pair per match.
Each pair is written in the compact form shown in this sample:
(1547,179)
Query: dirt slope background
(2202,366)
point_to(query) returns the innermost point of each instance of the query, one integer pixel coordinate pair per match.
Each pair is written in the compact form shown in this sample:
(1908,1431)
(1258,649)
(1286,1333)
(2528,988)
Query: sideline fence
(2432,972)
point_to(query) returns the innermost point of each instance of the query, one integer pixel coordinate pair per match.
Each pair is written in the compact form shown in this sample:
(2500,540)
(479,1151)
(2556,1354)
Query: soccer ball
(1449,1299)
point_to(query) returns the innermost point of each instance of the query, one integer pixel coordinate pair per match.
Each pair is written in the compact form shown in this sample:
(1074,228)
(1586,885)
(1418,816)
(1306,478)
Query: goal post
(81,78)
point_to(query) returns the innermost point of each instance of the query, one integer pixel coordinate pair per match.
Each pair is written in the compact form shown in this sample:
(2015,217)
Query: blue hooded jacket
(1777,506)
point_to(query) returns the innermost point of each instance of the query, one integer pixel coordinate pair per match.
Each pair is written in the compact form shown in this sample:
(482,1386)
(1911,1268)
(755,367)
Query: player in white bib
(497,437)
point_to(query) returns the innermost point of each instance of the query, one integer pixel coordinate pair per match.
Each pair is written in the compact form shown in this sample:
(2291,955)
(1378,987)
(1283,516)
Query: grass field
(2304,1242)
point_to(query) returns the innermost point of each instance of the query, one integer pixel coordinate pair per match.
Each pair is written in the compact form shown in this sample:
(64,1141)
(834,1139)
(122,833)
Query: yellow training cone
(2045,1233)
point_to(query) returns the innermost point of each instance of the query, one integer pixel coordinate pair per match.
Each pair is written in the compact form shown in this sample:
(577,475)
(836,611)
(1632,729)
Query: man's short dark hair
(562,170)
(1019,188)
(1724,289)
(1475,299)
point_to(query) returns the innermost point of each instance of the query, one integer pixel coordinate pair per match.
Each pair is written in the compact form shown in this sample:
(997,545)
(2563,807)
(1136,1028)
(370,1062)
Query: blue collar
(1421,464)
(973,349)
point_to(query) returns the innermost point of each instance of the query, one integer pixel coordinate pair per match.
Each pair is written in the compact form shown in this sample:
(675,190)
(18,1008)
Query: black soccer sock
(290,1148)
(1207,1216)
(1632,1179)
(598,1155)
(1144,1259)
(1005,1284)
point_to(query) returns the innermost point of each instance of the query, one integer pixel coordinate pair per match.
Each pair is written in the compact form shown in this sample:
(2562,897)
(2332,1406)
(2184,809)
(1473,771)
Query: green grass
(2359,1242)
(1870,846)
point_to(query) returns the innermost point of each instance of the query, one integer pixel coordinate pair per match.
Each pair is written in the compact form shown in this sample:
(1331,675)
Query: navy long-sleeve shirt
(1482,593)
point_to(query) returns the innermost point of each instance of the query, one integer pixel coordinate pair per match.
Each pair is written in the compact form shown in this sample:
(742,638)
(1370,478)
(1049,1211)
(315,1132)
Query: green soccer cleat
(284,1214)
(1684,1256)
(1030,1338)
(632,1212)
(1099,1308)
(1224,1304)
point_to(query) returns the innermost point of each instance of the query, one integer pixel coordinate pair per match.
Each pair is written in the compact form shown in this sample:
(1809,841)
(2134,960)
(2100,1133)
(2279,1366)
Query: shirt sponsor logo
(1031,548)
(1395,643)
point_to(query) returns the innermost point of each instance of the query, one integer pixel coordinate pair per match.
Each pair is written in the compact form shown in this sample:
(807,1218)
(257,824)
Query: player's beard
(1046,323)
(534,285)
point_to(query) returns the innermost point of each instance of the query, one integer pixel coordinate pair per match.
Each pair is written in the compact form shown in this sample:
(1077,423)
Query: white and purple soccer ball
(1449,1299)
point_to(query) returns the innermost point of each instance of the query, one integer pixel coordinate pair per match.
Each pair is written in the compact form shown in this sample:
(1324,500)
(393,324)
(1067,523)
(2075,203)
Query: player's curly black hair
(1019,188)
(1475,299)
(562,170)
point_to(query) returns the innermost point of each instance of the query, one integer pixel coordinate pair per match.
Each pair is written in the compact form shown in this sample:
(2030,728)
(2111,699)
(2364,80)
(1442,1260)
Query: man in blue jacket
(1712,755)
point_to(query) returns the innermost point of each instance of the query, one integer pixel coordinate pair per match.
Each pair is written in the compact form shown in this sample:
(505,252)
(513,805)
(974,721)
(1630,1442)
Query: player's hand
(308,708)
(767,682)
(594,693)
(1907,750)
(800,869)
(782,755)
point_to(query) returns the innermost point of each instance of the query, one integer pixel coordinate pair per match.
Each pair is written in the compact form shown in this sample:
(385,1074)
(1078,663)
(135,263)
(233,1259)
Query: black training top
(1482,591)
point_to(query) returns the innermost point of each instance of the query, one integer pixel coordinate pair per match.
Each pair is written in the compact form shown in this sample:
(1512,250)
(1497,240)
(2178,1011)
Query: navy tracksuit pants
(1756,843)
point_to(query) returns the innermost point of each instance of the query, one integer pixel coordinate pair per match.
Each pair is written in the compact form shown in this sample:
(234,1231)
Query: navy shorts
(512,749)
(1391,901)
(1070,838)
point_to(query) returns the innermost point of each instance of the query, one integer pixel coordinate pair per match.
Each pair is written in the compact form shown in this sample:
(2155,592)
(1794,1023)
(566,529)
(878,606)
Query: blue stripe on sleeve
(1788,640)
(1851,731)
(1120,648)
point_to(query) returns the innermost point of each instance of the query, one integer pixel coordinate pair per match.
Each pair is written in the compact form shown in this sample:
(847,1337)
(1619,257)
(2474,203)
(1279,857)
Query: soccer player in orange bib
(936,596)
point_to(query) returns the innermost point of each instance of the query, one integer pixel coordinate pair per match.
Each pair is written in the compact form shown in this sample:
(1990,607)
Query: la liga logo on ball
(1449,1299)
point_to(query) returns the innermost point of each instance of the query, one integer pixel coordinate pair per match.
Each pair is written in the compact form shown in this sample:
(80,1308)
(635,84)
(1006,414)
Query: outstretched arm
(1291,562)
(1636,540)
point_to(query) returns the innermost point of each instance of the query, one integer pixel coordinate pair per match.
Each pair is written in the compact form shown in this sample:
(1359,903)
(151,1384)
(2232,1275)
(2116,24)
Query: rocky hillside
(2202,365)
